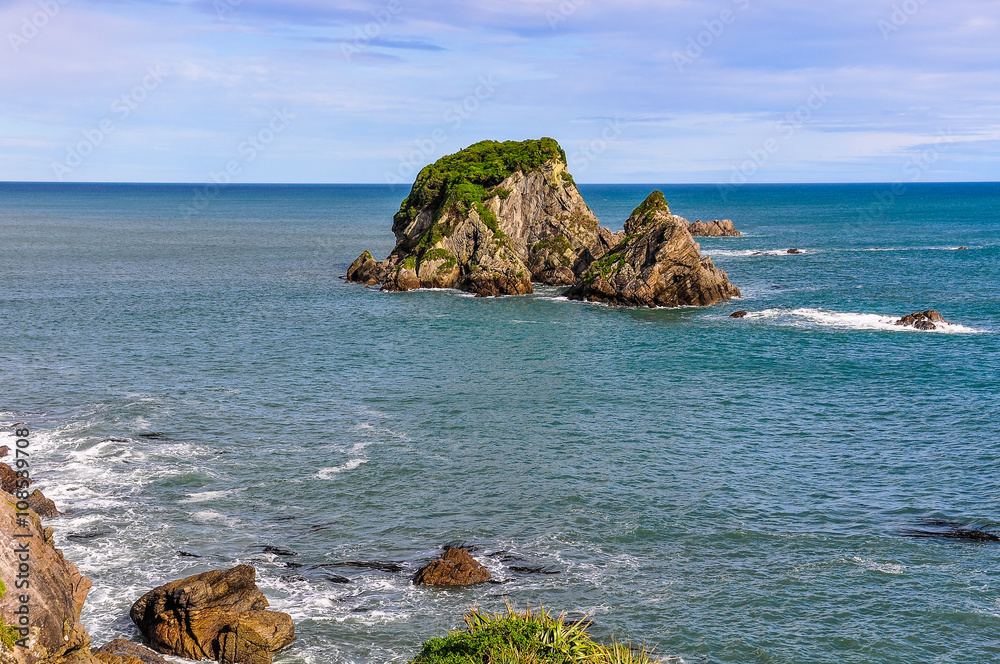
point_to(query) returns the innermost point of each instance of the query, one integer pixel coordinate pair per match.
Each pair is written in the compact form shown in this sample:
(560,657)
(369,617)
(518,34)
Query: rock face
(121,651)
(455,568)
(57,590)
(717,228)
(41,505)
(218,615)
(657,264)
(9,479)
(923,320)
(490,219)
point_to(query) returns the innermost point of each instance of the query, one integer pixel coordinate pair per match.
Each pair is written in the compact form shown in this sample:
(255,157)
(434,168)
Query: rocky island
(496,217)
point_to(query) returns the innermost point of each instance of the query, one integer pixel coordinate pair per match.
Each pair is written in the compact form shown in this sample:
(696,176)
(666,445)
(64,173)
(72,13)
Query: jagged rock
(491,219)
(121,651)
(365,270)
(739,314)
(54,634)
(10,481)
(218,615)
(658,263)
(923,320)
(455,568)
(41,505)
(717,228)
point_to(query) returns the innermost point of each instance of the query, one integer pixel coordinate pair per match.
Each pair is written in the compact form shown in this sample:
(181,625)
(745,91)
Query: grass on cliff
(464,180)
(527,637)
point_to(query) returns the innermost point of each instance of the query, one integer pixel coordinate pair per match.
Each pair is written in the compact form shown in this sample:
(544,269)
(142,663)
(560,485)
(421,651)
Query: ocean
(201,384)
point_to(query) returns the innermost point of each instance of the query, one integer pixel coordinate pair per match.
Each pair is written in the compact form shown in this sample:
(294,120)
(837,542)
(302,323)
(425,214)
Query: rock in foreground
(455,568)
(121,651)
(54,634)
(923,320)
(218,615)
(657,264)
(717,228)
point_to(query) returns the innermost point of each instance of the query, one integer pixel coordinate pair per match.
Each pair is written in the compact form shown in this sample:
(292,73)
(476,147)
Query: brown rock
(365,270)
(41,505)
(218,615)
(58,590)
(455,568)
(121,651)
(4,451)
(795,251)
(10,481)
(739,314)
(717,228)
(923,320)
(658,264)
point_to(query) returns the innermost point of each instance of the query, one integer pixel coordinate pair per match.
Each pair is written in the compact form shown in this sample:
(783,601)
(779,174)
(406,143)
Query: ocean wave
(735,253)
(850,321)
(954,248)
(329,473)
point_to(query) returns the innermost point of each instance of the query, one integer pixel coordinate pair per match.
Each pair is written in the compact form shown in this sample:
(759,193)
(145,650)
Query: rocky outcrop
(10,481)
(456,567)
(490,219)
(48,631)
(41,505)
(717,228)
(121,651)
(219,615)
(923,320)
(739,314)
(657,264)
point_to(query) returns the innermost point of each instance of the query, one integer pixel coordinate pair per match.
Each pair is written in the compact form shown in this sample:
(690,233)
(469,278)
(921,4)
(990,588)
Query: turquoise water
(731,490)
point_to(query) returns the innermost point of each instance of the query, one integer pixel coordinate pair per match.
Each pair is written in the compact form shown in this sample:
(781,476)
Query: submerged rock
(795,251)
(490,219)
(54,634)
(657,264)
(923,320)
(717,228)
(456,567)
(219,615)
(739,314)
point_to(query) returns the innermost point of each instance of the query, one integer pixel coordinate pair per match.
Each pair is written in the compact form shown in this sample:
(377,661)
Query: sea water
(201,384)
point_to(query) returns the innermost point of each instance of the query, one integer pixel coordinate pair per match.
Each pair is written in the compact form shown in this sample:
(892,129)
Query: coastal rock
(365,270)
(456,567)
(219,615)
(41,505)
(4,451)
(121,651)
(739,314)
(54,634)
(490,219)
(795,251)
(923,320)
(717,228)
(10,481)
(657,264)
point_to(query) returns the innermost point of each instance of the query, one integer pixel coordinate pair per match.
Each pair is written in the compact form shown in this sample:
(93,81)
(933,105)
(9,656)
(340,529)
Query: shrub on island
(527,637)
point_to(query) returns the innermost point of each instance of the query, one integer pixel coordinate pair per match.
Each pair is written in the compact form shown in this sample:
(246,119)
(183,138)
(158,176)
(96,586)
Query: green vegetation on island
(527,637)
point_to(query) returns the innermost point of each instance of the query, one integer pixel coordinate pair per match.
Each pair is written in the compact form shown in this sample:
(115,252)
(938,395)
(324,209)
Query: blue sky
(636,91)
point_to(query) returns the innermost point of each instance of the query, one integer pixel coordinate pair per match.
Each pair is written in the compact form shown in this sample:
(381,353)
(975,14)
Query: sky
(636,91)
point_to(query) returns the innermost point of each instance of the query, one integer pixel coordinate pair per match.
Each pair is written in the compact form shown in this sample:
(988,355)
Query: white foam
(851,321)
(754,252)
(205,496)
(328,473)
(874,566)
